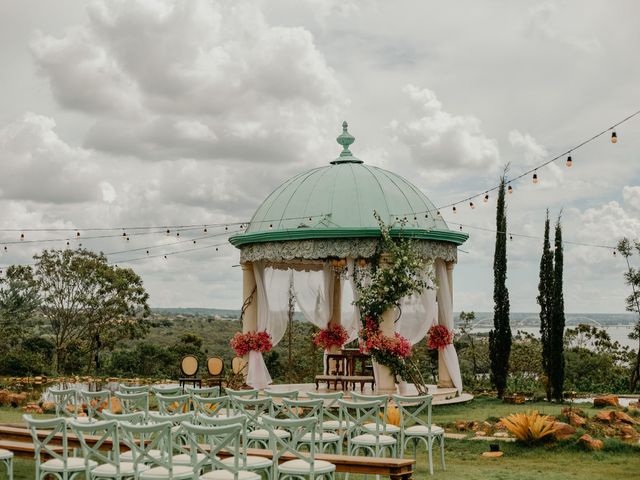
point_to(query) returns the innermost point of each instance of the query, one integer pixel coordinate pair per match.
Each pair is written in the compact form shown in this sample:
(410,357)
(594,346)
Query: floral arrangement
(333,336)
(243,343)
(399,277)
(439,337)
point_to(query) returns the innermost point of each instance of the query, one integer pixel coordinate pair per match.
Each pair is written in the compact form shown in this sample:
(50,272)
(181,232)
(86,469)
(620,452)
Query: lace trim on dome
(341,248)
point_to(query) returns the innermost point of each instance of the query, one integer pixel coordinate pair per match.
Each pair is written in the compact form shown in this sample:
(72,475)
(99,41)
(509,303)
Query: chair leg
(442,452)
(430,451)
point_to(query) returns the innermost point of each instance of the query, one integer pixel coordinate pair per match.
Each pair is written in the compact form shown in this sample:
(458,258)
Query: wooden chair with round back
(215,367)
(189,366)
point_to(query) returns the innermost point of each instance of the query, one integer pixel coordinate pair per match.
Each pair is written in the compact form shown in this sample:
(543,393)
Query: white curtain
(314,294)
(272,295)
(445,317)
(349,313)
(419,312)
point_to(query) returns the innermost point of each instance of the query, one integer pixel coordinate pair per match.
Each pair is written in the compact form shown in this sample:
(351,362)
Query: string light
(168,231)
(569,161)
(77,234)
(472,205)
(535,177)
(205,230)
(194,241)
(614,137)
(486,197)
(510,189)
(454,209)
(22,236)
(178,234)
(511,237)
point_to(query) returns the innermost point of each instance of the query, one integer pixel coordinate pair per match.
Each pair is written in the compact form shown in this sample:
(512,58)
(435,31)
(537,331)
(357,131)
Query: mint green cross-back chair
(210,442)
(173,404)
(55,446)
(66,401)
(243,394)
(133,388)
(164,389)
(305,465)
(181,454)
(278,407)
(332,421)
(6,457)
(212,406)
(134,402)
(414,428)
(314,408)
(255,410)
(252,463)
(365,433)
(96,402)
(388,428)
(202,391)
(104,449)
(145,441)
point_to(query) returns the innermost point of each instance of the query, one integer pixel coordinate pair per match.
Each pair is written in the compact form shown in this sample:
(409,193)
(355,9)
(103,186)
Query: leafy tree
(500,335)
(466,330)
(557,321)
(88,304)
(545,300)
(18,301)
(632,278)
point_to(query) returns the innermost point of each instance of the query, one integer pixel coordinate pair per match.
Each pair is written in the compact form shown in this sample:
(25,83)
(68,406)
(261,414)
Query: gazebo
(312,231)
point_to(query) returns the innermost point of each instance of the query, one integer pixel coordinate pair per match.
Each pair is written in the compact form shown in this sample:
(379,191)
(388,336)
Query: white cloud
(441,140)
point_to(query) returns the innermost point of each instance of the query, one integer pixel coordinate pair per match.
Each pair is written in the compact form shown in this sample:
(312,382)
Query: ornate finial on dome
(345,139)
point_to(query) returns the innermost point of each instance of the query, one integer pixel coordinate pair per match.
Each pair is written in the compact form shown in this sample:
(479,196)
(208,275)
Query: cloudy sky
(143,113)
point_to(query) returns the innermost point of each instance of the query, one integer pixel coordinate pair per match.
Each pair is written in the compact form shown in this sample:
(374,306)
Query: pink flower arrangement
(333,336)
(396,346)
(439,337)
(243,343)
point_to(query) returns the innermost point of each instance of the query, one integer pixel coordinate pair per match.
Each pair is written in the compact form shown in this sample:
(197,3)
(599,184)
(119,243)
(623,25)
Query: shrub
(530,427)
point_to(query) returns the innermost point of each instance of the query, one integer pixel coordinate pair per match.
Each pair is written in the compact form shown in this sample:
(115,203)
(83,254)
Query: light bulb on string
(472,205)
(216,249)
(5,249)
(426,215)
(178,234)
(486,197)
(510,189)
(165,257)
(535,177)
(460,227)
(127,239)
(415,218)
(168,231)
(614,253)
(226,228)
(455,210)
(569,161)
(21,236)
(511,237)
(194,241)
(147,252)
(67,243)
(205,230)
(614,137)
(77,234)
(438,213)
(124,235)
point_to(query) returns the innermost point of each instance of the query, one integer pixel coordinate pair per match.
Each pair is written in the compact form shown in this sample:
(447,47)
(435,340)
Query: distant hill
(518,319)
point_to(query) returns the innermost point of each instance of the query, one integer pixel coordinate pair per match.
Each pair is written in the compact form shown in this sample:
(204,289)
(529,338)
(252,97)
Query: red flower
(396,346)
(243,343)
(439,337)
(333,336)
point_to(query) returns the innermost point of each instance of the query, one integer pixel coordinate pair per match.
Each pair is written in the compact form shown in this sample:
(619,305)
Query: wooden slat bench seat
(22,449)
(394,468)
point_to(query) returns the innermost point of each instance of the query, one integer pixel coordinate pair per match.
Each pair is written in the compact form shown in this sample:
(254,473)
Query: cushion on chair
(253,462)
(423,430)
(327,437)
(263,434)
(227,475)
(300,466)
(391,429)
(369,439)
(5,454)
(126,469)
(73,463)
(179,472)
(185,458)
(336,425)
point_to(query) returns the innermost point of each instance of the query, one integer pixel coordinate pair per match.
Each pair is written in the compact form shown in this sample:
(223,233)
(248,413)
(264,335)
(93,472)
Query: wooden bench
(22,449)
(394,468)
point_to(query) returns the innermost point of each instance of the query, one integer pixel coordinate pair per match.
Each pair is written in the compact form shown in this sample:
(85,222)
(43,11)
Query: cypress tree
(500,336)
(545,300)
(556,358)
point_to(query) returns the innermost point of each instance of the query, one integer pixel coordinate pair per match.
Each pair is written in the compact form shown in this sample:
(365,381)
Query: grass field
(464,460)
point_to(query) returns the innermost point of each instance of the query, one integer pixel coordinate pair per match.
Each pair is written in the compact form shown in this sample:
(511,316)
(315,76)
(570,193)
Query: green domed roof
(339,201)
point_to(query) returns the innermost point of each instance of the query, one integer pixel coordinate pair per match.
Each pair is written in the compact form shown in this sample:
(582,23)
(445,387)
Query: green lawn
(483,408)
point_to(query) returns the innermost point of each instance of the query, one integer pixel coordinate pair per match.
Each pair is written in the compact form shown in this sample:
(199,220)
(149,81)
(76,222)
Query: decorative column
(249,303)
(385,381)
(336,316)
(444,378)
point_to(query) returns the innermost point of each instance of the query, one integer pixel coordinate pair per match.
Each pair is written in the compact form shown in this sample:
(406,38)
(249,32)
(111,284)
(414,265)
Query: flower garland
(439,337)
(400,277)
(243,343)
(333,336)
